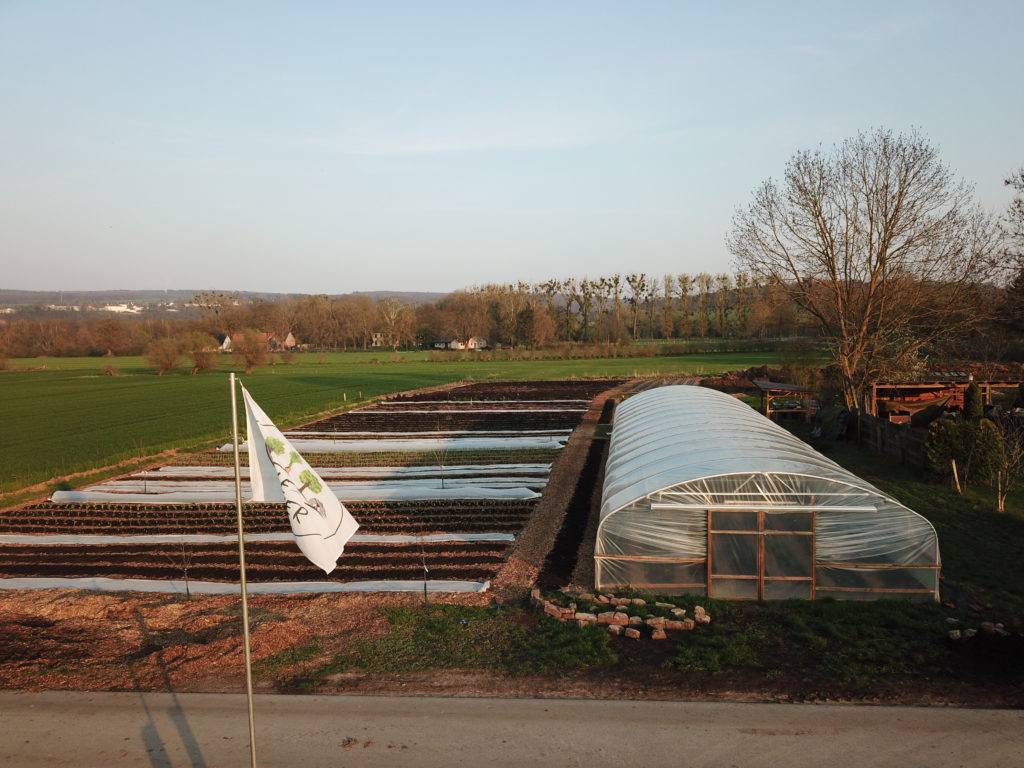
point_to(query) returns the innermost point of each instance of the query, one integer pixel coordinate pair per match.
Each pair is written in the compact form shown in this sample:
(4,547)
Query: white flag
(320,522)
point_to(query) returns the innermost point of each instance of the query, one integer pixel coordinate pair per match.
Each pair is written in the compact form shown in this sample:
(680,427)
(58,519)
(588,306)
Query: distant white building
(475,342)
(123,309)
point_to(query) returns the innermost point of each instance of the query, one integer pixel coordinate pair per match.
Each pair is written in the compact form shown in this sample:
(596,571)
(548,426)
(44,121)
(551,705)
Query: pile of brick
(618,619)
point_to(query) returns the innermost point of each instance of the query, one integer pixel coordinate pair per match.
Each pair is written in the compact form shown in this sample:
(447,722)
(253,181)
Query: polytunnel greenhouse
(704,495)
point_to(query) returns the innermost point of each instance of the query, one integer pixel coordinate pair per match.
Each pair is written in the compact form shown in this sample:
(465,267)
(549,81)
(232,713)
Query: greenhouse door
(760,554)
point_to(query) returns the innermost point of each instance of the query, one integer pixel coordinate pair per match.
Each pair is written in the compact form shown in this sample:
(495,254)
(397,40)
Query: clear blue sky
(339,146)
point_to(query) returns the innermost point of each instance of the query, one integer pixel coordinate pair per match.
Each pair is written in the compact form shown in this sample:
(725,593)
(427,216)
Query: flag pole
(241,563)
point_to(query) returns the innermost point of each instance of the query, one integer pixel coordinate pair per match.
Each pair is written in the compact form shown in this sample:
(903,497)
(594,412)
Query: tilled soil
(73,640)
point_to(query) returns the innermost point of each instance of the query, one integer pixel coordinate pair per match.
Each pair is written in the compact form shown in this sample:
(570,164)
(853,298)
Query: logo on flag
(321,524)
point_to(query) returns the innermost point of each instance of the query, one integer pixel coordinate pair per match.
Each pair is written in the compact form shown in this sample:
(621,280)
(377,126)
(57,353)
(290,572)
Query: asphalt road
(210,730)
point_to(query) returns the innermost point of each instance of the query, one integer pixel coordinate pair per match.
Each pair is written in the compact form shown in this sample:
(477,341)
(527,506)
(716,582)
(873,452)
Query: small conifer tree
(974,409)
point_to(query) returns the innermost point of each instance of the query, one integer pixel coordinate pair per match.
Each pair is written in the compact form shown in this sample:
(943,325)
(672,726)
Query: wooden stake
(956,477)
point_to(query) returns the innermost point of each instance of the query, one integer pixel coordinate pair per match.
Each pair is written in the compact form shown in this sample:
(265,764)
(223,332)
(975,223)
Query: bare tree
(164,354)
(465,315)
(685,287)
(398,322)
(637,283)
(250,349)
(1013,221)
(878,243)
(1010,459)
(201,349)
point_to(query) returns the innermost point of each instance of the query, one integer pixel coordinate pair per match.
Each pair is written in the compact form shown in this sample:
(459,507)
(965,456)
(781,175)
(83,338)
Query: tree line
(611,309)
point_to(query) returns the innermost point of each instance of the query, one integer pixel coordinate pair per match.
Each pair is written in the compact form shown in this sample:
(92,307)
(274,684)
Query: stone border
(618,620)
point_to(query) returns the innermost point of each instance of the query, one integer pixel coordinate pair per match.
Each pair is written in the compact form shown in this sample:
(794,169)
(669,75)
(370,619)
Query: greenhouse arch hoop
(703,495)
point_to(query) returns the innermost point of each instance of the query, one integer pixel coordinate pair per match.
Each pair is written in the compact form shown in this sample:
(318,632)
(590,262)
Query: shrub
(163,354)
(975,447)
(974,409)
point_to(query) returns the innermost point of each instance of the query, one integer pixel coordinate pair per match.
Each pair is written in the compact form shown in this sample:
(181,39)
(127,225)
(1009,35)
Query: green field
(63,415)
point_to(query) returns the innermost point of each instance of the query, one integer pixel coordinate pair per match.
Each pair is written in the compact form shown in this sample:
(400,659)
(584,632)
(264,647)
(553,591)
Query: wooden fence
(894,441)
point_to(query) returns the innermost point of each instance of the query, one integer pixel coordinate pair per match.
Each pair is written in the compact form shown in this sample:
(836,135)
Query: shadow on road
(156,750)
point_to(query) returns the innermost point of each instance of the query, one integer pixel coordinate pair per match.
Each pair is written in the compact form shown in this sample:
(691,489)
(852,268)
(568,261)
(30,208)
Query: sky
(329,147)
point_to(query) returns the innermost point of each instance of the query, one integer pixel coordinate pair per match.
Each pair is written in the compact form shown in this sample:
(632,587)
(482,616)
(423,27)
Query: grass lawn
(981,549)
(63,415)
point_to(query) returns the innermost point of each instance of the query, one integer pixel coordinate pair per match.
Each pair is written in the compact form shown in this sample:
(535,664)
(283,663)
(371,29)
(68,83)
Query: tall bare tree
(637,283)
(877,242)
(397,321)
(1013,221)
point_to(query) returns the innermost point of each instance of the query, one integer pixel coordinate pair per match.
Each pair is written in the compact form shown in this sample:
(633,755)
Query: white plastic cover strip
(423,444)
(354,494)
(426,412)
(144,485)
(192,538)
(340,473)
(407,403)
(330,434)
(254,588)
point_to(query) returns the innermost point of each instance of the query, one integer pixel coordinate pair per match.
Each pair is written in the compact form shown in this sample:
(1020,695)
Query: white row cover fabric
(99,584)
(341,473)
(143,485)
(424,444)
(433,433)
(206,538)
(412,493)
(678,452)
(431,412)
(510,403)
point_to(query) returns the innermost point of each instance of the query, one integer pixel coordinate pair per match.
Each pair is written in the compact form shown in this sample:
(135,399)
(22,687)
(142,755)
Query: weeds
(508,639)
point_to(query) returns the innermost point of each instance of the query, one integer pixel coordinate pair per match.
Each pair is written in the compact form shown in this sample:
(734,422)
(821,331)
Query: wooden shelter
(779,397)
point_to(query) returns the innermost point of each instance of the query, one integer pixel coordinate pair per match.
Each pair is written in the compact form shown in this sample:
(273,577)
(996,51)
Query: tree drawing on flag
(306,480)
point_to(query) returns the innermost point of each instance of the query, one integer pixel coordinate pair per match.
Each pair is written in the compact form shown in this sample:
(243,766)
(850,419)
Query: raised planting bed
(519,390)
(393,420)
(265,561)
(416,517)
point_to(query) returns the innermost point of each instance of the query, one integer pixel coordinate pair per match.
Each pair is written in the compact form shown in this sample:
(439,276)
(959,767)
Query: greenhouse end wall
(702,495)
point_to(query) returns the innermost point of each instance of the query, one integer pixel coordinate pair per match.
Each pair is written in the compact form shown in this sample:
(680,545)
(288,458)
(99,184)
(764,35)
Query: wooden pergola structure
(795,399)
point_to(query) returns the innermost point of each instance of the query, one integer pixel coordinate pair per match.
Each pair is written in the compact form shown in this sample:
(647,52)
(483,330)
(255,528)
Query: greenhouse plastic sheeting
(678,453)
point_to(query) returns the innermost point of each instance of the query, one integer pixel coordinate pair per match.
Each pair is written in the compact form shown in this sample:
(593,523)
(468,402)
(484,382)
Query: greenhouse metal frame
(704,495)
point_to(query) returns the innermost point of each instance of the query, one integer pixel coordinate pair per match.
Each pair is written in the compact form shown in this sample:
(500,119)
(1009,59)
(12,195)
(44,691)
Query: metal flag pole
(241,563)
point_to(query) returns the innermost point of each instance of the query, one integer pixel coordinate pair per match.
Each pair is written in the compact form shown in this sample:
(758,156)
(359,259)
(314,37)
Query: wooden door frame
(762,533)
